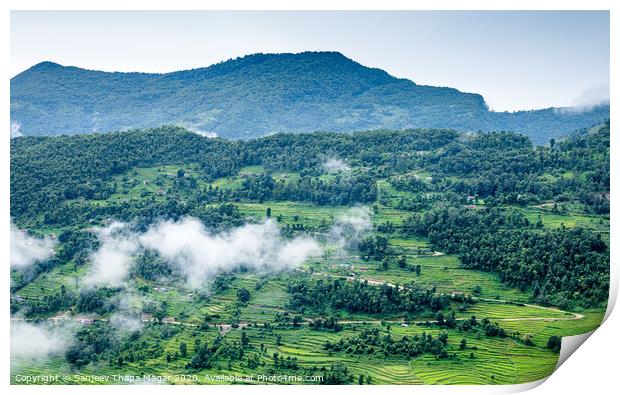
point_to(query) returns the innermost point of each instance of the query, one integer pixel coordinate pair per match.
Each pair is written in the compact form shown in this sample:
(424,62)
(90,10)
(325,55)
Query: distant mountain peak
(260,94)
(45,65)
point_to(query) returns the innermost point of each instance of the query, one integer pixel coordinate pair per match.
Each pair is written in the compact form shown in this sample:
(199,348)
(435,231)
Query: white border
(592,370)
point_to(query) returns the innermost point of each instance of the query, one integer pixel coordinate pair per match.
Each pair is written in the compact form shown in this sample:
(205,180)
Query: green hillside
(263,94)
(444,257)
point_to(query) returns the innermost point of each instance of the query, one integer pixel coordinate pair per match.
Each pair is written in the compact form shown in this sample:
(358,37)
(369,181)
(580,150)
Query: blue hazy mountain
(262,94)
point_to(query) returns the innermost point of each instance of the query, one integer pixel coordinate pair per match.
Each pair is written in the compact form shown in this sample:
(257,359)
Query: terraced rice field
(485,360)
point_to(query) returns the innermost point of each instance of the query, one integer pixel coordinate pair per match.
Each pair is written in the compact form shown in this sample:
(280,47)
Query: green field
(485,360)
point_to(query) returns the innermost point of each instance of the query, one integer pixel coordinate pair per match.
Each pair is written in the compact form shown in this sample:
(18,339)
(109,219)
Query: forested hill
(49,174)
(263,94)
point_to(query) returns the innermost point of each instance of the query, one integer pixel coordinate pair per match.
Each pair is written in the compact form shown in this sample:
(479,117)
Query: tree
(268,213)
(159,315)
(243,295)
(183,349)
(539,222)
(554,343)
(245,340)
(463,344)
(451,320)
(180,173)
(275,359)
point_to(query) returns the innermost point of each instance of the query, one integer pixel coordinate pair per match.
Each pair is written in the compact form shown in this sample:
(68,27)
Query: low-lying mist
(336,165)
(31,341)
(349,229)
(27,249)
(196,252)
(201,255)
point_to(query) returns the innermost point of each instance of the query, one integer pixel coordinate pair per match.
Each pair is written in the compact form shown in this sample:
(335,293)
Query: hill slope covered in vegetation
(262,94)
(422,256)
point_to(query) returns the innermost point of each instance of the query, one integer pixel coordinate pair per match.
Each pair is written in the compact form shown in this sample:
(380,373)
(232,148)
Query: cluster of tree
(151,267)
(507,168)
(91,342)
(285,319)
(560,266)
(243,295)
(330,323)
(47,171)
(374,247)
(486,326)
(308,152)
(142,212)
(222,282)
(220,349)
(409,183)
(446,226)
(342,190)
(372,342)
(336,374)
(324,296)
(418,202)
(97,300)
(145,344)
(159,310)
(102,341)
(46,306)
(554,343)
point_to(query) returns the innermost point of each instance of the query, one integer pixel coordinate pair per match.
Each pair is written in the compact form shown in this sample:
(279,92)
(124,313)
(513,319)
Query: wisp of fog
(27,249)
(196,252)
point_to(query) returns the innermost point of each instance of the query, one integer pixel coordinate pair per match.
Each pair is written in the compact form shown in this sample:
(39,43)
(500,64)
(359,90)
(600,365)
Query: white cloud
(207,134)
(34,342)
(589,98)
(336,165)
(125,322)
(26,249)
(16,129)
(203,133)
(127,317)
(295,252)
(350,228)
(198,254)
(201,255)
(112,261)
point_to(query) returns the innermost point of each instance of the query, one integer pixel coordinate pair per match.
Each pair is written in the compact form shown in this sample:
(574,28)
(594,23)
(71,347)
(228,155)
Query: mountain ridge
(261,94)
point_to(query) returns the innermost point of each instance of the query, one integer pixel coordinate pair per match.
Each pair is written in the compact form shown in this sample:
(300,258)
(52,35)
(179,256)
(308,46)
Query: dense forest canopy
(263,94)
(50,175)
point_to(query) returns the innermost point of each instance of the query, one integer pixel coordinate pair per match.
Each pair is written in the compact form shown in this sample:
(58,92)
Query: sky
(517,60)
